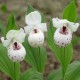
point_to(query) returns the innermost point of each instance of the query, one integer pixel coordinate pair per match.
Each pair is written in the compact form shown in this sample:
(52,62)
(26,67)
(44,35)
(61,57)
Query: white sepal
(16,55)
(42,27)
(20,36)
(73,26)
(57,23)
(33,18)
(28,29)
(5,42)
(11,34)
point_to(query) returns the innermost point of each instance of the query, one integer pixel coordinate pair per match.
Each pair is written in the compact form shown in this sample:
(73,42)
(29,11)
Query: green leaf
(31,74)
(55,75)
(70,12)
(30,9)
(1,28)
(75,1)
(78,19)
(72,73)
(35,56)
(64,55)
(75,40)
(7,66)
(43,18)
(4,8)
(11,24)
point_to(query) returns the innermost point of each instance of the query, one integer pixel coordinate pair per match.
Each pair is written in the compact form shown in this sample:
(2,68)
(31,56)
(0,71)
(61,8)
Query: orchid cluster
(35,32)
(14,38)
(27,44)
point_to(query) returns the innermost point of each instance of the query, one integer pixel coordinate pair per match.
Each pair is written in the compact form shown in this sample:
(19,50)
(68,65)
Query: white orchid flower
(63,34)
(35,28)
(13,43)
(36,38)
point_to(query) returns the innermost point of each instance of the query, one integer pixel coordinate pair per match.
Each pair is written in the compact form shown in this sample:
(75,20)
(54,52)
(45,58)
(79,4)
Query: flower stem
(14,69)
(64,67)
(39,59)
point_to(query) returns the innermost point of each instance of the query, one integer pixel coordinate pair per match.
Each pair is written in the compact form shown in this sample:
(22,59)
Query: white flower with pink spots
(13,43)
(64,30)
(35,29)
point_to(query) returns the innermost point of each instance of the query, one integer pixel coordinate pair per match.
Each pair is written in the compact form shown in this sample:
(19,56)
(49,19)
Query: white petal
(20,36)
(28,29)
(5,42)
(42,27)
(11,34)
(62,40)
(73,26)
(36,39)
(16,55)
(33,18)
(58,22)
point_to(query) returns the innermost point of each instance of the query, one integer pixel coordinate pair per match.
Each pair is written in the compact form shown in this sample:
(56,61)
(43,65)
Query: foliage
(37,57)
(72,73)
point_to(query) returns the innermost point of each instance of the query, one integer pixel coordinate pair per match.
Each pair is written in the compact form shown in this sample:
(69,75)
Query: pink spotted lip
(16,46)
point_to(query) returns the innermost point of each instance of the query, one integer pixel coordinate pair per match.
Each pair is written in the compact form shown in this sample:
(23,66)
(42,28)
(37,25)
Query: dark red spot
(16,46)
(64,28)
(35,31)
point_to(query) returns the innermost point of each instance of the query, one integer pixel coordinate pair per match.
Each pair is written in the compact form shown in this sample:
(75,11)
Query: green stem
(13,78)
(14,70)
(39,60)
(63,67)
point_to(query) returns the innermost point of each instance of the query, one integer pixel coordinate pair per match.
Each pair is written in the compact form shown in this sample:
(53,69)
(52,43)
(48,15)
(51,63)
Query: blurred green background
(51,8)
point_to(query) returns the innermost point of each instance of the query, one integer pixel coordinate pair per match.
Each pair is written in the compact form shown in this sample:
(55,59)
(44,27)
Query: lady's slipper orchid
(13,43)
(63,34)
(35,29)
(36,38)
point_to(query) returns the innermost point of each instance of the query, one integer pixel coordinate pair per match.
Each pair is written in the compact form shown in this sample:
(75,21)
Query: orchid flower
(64,30)
(13,44)
(35,29)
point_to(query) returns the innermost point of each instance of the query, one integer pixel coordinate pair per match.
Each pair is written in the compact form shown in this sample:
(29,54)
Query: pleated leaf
(70,12)
(31,74)
(72,73)
(11,24)
(1,28)
(55,75)
(30,9)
